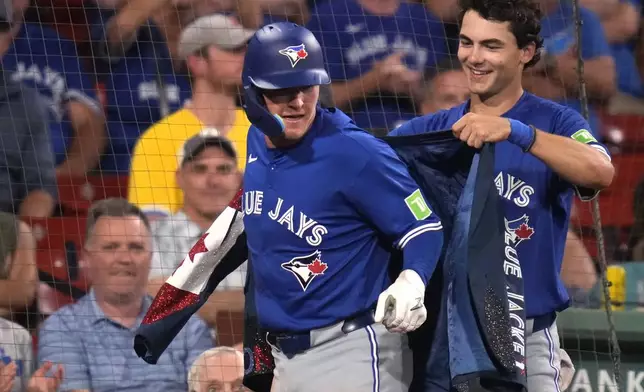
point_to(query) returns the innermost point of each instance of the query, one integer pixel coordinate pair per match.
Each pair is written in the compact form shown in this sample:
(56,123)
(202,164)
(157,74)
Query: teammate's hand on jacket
(476,129)
(401,307)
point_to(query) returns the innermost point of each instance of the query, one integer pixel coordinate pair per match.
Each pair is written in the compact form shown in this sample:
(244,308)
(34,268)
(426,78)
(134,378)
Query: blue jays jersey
(141,88)
(42,59)
(353,39)
(536,200)
(321,219)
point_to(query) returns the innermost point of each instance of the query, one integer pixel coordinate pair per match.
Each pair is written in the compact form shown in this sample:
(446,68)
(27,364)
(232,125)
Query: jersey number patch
(416,204)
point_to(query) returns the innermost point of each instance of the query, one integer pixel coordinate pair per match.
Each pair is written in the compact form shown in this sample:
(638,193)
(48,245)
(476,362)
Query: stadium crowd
(133,107)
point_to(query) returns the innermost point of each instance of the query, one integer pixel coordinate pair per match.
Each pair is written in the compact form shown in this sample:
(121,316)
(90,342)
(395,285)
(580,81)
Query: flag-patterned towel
(220,251)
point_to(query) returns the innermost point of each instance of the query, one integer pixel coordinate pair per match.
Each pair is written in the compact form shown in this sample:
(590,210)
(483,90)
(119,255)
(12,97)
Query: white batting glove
(401,307)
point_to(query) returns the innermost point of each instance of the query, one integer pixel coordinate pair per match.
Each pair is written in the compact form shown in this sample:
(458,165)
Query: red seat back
(59,243)
(625,130)
(616,202)
(230,328)
(76,194)
(68,17)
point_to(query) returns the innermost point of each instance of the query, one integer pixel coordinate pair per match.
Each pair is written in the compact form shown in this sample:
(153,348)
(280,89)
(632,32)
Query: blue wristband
(522,135)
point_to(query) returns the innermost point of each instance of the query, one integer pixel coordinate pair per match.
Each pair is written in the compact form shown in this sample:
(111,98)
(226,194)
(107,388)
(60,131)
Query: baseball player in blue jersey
(544,153)
(325,204)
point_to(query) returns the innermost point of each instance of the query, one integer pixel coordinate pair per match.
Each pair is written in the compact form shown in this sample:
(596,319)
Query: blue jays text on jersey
(296,222)
(536,200)
(321,218)
(42,59)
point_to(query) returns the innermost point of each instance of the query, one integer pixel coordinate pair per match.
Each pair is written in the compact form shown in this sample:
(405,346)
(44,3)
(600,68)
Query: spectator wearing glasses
(213,48)
(92,338)
(208,178)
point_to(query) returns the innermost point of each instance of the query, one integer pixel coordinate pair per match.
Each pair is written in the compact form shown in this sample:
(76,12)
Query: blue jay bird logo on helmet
(266,69)
(295,53)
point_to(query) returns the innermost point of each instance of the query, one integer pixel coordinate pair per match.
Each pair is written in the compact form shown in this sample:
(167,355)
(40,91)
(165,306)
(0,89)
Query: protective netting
(114,94)
(613,343)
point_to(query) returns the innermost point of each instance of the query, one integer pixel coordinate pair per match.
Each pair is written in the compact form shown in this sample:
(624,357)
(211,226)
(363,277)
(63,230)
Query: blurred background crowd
(122,139)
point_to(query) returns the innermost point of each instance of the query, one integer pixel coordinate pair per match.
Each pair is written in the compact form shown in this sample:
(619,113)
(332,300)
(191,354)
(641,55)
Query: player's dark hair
(524,17)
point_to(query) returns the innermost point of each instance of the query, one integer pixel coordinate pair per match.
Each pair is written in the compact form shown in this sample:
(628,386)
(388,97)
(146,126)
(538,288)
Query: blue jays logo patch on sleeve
(295,53)
(306,268)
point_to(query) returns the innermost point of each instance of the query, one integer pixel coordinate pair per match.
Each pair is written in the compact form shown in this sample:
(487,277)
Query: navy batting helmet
(279,55)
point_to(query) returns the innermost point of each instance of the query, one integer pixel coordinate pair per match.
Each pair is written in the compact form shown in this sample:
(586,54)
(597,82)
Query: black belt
(544,321)
(294,343)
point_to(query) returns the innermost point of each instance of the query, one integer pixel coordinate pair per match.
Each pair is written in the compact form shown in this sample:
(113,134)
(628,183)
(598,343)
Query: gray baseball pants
(543,359)
(370,359)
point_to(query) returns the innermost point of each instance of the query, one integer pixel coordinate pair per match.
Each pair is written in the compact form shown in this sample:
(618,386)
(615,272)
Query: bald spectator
(446,88)
(218,369)
(92,338)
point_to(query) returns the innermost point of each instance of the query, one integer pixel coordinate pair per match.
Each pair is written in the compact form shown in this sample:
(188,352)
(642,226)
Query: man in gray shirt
(208,176)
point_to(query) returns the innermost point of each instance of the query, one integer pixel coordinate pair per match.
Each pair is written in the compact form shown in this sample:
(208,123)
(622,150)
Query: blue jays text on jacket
(536,200)
(459,344)
(321,219)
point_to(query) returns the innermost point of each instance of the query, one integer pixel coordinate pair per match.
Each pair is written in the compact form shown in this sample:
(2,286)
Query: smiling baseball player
(544,152)
(325,203)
